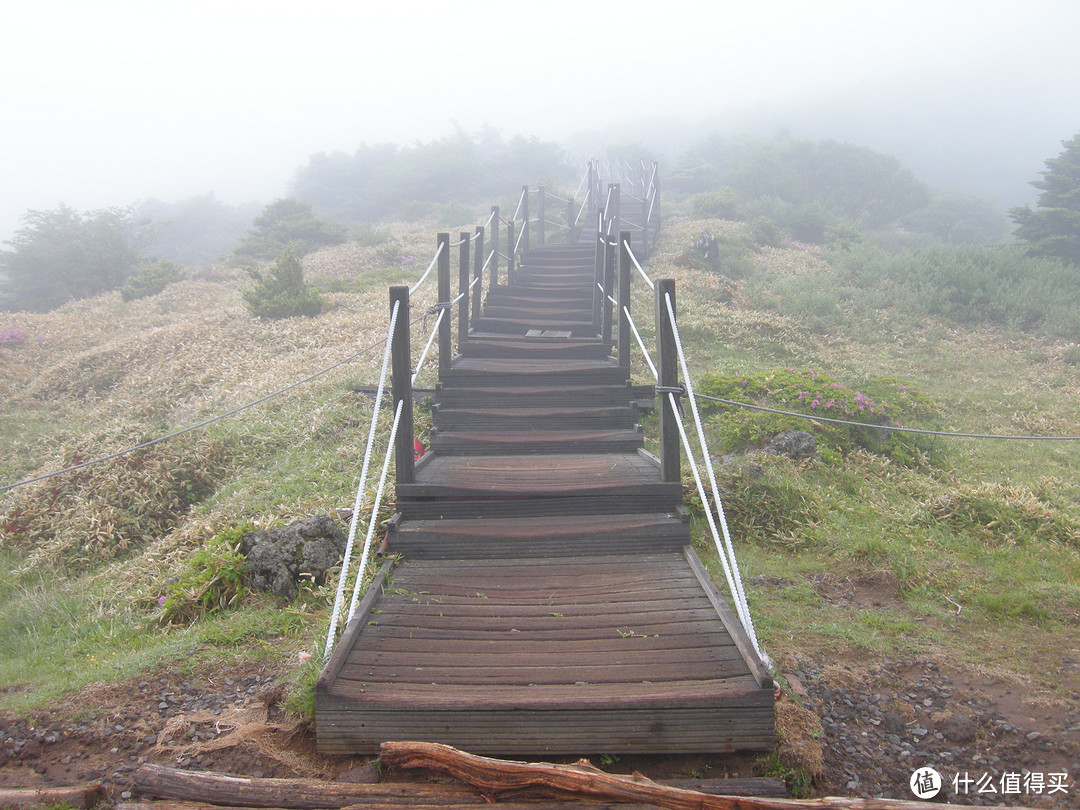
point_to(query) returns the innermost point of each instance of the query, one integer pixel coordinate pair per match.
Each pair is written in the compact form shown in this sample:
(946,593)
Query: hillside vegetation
(971,546)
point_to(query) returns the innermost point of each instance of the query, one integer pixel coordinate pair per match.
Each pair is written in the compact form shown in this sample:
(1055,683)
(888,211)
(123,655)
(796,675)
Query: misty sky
(110,102)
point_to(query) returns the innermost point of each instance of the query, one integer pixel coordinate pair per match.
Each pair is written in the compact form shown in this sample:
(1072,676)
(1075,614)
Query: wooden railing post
(571,228)
(667,369)
(401,389)
(644,246)
(613,213)
(609,281)
(464,271)
(476,294)
(494,244)
(524,219)
(590,195)
(445,332)
(598,283)
(541,199)
(510,252)
(625,269)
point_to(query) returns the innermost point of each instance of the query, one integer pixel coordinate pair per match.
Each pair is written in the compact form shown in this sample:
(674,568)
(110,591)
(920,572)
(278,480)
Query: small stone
(1031,736)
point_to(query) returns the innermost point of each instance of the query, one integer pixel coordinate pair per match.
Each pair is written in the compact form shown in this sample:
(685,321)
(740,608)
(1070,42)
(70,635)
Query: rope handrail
(556,196)
(641,343)
(637,264)
(517,243)
(521,201)
(427,346)
(423,278)
(736,580)
(893,428)
(584,180)
(190,428)
(556,224)
(340,592)
(362,566)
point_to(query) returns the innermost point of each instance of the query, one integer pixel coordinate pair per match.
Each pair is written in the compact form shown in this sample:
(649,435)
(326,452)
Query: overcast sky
(109,102)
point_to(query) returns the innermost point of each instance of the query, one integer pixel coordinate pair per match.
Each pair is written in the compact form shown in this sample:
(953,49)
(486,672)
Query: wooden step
(557,484)
(539,536)
(510,395)
(493,344)
(494,371)
(630,653)
(490,441)
(535,418)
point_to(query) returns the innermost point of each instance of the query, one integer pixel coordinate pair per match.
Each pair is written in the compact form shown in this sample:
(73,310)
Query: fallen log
(220,789)
(81,798)
(570,804)
(493,777)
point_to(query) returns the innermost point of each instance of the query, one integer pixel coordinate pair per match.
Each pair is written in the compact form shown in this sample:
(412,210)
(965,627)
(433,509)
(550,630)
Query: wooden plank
(730,620)
(353,628)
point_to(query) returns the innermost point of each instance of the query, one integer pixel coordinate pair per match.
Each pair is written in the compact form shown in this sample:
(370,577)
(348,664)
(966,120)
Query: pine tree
(1053,227)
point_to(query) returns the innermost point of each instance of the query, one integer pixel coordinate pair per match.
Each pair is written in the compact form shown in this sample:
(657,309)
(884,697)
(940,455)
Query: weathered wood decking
(547,599)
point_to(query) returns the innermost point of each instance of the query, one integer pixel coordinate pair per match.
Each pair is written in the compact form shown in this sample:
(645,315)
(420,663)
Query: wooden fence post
(524,219)
(571,227)
(510,252)
(401,369)
(667,369)
(598,282)
(464,271)
(609,281)
(444,296)
(476,293)
(624,301)
(495,245)
(541,199)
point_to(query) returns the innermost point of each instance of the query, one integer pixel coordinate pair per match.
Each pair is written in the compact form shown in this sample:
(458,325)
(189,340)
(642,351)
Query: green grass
(968,552)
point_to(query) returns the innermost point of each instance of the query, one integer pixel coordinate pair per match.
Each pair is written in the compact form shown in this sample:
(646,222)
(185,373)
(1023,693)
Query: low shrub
(722,254)
(998,514)
(90,516)
(886,401)
(282,292)
(722,204)
(212,580)
(151,279)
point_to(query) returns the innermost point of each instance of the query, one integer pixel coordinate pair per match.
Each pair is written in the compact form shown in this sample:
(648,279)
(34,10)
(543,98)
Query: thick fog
(112,102)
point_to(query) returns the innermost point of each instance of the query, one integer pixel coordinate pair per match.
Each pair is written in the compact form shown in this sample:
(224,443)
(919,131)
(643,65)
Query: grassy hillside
(959,550)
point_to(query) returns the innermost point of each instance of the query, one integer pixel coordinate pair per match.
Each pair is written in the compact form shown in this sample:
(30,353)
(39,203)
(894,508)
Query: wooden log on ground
(495,776)
(82,798)
(227,790)
(572,804)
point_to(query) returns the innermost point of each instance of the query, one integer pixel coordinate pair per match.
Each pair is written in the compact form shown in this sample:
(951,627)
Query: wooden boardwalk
(547,600)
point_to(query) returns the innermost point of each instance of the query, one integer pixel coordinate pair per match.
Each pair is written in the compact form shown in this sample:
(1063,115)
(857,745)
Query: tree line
(816,192)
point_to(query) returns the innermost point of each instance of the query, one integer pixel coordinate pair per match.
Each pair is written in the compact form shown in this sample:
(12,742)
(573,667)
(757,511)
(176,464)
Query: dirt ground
(861,727)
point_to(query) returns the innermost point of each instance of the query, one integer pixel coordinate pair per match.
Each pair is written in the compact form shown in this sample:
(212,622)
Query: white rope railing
(641,343)
(423,278)
(375,512)
(735,581)
(340,594)
(637,264)
(427,346)
(521,201)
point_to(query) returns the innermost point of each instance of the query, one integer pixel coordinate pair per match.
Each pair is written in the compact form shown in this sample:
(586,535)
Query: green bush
(722,204)
(291,224)
(720,254)
(766,232)
(214,579)
(151,279)
(885,401)
(282,293)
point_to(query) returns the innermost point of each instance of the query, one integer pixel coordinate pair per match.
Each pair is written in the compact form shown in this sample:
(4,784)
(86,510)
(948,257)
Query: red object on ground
(417,449)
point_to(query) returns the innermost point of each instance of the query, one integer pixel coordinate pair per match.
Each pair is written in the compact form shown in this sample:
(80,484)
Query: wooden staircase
(547,599)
